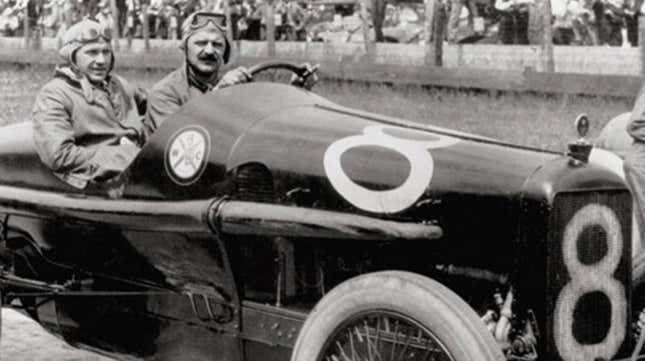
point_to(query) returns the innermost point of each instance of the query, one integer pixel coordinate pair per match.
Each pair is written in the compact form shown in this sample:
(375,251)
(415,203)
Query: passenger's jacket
(170,94)
(85,132)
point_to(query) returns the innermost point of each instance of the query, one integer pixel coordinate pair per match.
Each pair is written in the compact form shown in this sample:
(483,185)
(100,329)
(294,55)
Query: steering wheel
(302,75)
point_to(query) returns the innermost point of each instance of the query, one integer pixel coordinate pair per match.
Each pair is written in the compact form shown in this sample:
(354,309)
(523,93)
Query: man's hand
(308,78)
(235,76)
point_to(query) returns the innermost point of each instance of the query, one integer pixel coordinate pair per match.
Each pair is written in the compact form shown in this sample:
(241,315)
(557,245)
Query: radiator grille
(588,275)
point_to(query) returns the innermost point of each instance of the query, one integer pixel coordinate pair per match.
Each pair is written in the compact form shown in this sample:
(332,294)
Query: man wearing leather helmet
(86,120)
(206,48)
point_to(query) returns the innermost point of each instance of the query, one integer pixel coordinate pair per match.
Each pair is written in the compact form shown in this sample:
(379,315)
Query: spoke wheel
(384,336)
(394,316)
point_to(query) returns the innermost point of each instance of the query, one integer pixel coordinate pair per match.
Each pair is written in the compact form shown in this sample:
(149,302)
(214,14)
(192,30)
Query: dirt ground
(24,340)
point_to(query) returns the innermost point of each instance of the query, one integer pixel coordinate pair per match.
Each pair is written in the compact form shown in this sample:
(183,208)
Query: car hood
(303,140)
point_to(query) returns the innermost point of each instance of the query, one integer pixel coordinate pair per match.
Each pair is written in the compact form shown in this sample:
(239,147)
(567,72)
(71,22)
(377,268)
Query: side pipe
(251,218)
(12,280)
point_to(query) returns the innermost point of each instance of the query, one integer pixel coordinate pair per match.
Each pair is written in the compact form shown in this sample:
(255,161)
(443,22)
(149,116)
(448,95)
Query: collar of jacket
(202,86)
(78,80)
(113,86)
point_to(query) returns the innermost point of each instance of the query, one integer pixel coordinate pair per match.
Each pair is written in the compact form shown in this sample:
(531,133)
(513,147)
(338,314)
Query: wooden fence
(601,70)
(582,70)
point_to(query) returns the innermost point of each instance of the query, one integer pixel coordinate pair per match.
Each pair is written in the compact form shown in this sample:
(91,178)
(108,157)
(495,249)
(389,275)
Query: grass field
(528,119)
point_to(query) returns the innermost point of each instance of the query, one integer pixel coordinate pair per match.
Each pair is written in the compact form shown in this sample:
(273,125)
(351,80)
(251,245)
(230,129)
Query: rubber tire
(436,307)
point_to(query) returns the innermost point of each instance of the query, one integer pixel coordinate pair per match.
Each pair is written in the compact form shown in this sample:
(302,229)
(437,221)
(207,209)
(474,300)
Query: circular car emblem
(186,154)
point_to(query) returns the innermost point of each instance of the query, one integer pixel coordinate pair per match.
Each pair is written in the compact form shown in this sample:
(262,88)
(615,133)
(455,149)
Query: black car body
(254,204)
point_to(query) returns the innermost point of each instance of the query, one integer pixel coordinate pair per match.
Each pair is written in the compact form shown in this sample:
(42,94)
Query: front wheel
(390,316)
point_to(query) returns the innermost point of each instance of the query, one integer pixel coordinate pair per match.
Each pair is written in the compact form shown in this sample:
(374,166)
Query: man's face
(205,51)
(94,60)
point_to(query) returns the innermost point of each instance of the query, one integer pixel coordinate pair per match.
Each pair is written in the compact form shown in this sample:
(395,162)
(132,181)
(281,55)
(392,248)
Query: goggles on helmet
(201,19)
(92,34)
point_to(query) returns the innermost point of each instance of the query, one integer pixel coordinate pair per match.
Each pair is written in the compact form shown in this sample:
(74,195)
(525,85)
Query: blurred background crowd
(574,22)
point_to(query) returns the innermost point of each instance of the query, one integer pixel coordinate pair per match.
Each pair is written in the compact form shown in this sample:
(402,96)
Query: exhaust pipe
(251,218)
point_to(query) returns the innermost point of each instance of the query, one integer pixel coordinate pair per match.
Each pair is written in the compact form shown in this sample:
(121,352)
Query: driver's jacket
(86,132)
(171,93)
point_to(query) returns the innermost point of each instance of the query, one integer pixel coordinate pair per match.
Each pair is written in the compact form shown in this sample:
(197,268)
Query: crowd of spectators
(52,17)
(574,22)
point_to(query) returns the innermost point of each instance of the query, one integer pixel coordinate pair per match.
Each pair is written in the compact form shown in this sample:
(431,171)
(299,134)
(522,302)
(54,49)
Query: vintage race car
(264,222)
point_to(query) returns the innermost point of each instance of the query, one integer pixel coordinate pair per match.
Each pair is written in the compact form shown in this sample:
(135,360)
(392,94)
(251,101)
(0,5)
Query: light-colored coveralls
(86,132)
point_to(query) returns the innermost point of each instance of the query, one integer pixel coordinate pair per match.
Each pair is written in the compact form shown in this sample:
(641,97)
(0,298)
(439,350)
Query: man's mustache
(208,57)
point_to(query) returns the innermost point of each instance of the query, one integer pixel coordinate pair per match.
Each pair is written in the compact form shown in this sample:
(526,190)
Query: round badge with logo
(187,152)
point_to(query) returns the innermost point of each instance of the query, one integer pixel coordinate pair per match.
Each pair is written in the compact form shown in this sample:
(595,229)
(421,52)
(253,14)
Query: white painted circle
(186,154)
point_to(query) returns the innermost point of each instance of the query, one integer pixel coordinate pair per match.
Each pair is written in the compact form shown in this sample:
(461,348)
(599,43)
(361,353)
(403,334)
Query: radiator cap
(580,149)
